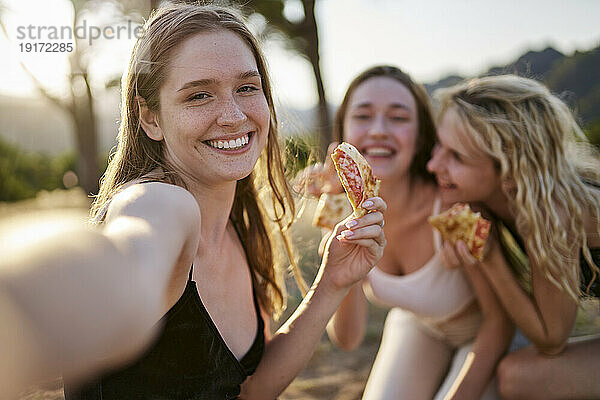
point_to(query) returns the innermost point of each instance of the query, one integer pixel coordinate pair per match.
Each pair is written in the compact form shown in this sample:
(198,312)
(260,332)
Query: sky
(429,39)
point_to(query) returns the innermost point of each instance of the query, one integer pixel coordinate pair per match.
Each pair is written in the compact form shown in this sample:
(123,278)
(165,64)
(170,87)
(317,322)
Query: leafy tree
(79,104)
(302,36)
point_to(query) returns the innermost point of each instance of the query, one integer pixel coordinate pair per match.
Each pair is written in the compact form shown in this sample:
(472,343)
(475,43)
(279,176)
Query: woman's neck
(499,205)
(403,195)
(215,203)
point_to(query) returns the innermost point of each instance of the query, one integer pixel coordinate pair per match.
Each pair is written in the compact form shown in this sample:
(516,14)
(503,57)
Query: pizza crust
(460,223)
(331,209)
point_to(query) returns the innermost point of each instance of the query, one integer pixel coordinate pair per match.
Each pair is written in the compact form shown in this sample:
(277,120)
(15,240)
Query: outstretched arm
(75,299)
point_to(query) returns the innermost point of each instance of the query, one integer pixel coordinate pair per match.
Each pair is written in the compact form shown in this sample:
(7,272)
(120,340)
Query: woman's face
(381,122)
(214,117)
(463,173)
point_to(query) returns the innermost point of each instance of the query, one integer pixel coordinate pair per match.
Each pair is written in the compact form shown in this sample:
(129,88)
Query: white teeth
(230,144)
(378,151)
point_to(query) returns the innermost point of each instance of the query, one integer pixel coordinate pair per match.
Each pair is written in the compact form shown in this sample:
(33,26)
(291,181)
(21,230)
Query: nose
(378,126)
(434,163)
(231,114)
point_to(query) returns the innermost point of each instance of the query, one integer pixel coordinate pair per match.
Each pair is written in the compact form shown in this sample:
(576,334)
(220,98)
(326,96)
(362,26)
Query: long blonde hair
(532,135)
(138,157)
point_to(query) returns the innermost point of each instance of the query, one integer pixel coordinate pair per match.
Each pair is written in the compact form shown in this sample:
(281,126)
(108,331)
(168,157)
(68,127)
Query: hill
(575,78)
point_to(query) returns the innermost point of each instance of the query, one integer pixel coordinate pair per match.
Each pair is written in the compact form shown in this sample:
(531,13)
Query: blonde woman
(180,202)
(507,144)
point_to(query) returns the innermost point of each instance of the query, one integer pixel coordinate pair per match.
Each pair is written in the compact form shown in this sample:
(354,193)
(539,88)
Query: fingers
(309,180)
(330,150)
(373,218)
(367,232)
(364,231)
(374,204)
(465,256)
(454,256)
(449,257)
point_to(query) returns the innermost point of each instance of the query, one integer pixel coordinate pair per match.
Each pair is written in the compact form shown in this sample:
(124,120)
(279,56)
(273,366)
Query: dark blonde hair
(139,157)
(426,135)
(536,143)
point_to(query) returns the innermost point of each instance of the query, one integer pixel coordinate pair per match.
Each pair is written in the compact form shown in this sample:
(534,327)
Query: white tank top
(432,291)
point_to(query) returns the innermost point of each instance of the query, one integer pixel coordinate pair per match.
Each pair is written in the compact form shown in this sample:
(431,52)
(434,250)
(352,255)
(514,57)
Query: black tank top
(188,360)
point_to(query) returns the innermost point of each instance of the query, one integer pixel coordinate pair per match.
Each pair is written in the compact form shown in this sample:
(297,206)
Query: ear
(149,120)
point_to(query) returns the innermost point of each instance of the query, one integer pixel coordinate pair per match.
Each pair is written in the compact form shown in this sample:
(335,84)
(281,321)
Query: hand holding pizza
(465,234)
(355,246)
(357,243)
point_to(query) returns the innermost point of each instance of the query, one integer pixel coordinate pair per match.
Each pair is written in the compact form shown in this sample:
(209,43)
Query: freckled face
(214,116)
(463,173)
(381,122)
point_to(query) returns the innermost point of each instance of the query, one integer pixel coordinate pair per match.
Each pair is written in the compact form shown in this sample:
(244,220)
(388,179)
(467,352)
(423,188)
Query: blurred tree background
(575,78)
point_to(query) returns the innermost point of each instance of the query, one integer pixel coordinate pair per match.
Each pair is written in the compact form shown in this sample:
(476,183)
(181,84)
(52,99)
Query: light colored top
(432,291)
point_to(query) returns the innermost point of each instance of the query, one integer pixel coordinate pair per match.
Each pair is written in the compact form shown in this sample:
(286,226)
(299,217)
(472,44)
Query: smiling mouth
(378,152)
(232,144)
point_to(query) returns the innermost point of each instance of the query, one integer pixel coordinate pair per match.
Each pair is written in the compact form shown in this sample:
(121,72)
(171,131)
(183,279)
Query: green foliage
(593,132)
(300,151)
(23,174)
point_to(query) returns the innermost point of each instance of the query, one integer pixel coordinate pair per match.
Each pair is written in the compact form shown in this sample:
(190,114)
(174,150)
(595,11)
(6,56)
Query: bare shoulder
(156,200)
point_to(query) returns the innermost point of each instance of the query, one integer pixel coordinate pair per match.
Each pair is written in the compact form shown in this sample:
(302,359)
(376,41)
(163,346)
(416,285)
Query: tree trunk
(86,135)
(312,39)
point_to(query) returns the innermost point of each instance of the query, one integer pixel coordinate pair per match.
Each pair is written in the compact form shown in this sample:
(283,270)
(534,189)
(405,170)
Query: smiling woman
(435,321)
(211,94)
(181,218)
(509,145)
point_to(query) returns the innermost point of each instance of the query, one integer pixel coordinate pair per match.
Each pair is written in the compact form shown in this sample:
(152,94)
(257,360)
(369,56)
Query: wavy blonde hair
(539,148)
(138,157)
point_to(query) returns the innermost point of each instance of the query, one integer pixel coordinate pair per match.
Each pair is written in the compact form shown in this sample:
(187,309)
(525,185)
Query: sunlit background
(438,42)
(59,112)
(430,39)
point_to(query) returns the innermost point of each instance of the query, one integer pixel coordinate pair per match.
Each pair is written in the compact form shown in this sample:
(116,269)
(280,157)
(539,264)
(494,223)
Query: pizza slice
(460,223)
(331,209)
(356,176)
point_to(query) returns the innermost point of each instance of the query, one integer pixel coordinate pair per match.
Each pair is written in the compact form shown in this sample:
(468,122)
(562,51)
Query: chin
(450,196)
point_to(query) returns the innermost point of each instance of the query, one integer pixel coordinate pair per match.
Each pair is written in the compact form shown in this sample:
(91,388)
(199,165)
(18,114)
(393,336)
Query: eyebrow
(393,105)
(205,82)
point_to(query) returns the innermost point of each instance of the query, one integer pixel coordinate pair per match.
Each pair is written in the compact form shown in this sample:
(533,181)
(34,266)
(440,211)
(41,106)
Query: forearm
(524,311)
(293,345)
(71,295)
(347,326)
(492,341)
